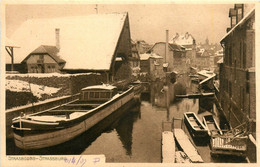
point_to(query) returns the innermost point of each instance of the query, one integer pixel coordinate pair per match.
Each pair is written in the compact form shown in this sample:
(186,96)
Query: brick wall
(237,81)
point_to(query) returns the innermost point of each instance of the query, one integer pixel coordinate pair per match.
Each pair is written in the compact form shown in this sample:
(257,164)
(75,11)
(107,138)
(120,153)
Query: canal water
(133,133)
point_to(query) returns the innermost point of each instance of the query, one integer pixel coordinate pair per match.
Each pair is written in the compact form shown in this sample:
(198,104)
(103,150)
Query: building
(202,60)
(134,59)
(86,44)
(176,57)
(142,46)
(151,65)
(237,73)
(44,59)
(189,43)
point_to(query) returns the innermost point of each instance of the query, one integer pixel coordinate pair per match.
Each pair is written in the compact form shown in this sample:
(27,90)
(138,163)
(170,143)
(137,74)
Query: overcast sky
(147,21)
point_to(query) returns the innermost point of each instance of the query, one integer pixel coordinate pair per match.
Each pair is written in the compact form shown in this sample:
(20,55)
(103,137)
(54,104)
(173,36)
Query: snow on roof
(44,75)
(241,22)
(206,73)
(104,86)
(84,40)
(220,61)
(145,56)
(51,50)
(184,39)
(155,56)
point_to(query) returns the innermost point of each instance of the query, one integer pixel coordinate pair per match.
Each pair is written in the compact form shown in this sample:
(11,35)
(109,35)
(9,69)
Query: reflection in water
(124,129)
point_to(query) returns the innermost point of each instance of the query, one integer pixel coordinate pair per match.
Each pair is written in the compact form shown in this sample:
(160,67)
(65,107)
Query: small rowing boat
(194,125)
(211,125)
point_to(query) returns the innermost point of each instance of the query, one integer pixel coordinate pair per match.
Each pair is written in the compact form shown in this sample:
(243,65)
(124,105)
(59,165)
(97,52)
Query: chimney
(57,36)
(233,18)
(239,12)
(166,45)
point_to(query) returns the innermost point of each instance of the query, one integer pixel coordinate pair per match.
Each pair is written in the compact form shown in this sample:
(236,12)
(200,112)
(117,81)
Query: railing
(33,108)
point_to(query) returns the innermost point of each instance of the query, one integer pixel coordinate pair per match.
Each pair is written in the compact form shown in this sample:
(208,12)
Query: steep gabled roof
(86,42)
(184,39)
(172,46)
(50,50)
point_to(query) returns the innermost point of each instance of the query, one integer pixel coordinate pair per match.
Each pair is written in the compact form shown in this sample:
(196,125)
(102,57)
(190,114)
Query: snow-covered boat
(65,122)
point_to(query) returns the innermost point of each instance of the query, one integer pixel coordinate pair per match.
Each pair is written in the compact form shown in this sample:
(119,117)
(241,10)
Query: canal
(133,134)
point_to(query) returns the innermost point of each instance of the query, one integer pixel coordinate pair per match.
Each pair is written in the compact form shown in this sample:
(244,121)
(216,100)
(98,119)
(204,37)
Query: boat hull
(194,131)
(211,125)
(40,139)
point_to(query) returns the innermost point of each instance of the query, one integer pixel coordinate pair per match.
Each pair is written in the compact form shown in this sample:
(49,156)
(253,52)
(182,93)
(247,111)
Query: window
(241,54)
(230,55)
(233,20)
(96,94)
(86,95)
(244,54)
(91,95)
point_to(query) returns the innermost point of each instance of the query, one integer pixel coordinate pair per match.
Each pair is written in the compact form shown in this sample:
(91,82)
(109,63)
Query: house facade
(151,65)
(176,57)
(237,73)
(44,59)
(189,43)
(134,59)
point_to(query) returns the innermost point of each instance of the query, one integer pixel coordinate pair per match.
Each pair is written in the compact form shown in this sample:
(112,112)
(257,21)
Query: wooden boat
(211,125)
(228,144)
(65,122)
(194,125)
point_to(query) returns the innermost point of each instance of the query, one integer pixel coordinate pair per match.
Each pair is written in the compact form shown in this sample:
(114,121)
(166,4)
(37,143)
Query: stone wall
(69,83)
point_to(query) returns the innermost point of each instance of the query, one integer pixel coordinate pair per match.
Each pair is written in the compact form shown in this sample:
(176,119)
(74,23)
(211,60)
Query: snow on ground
(22,86)
(44,75)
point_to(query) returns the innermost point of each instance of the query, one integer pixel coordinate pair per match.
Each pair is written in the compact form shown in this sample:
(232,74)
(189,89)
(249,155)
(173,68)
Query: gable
(33,59)
(86,42)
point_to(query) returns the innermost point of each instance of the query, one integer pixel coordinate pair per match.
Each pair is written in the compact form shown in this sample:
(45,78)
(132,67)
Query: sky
(147,21)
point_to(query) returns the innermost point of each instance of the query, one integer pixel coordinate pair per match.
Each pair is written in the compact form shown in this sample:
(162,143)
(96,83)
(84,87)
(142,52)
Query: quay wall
(69,84)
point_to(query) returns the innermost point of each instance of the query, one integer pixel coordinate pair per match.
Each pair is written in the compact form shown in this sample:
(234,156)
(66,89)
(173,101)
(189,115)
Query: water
(132,134)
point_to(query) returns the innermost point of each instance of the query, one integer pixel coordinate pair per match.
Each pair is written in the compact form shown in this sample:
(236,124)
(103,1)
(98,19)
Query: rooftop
(51,50)
(240,23)
(84,40)
(184,39)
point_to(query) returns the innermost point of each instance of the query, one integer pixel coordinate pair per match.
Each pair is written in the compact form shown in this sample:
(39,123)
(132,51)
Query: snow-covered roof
(146,56)
(241,22)
(172,46)
(155,56)
(104,86)
(206,73)
(220,61)
(86,42)
(51,50)
(183,39)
